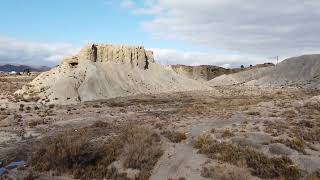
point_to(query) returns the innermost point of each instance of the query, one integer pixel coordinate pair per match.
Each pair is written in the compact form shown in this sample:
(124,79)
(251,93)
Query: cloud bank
(33,53)
(171,56)
(259,27)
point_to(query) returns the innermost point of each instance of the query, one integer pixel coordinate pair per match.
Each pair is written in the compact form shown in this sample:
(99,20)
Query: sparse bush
(275,128)
(51,106)
(96,106)
(202,141)
(21,107)
(196,109)
(101,124)
(227,133)
(226,172)
(289,114)
(80,154)
(175,137)
(311,134)
(295,143)
(65,152)
(142,149)
(253,113)
(261,165)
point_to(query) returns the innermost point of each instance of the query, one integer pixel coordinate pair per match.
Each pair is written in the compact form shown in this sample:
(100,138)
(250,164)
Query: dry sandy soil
(242,133)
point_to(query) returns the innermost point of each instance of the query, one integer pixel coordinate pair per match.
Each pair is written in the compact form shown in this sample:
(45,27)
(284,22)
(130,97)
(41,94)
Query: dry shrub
(202,141)
(101,124)
(275,128)
(175,137)
(289,114)
(261,165)
(195,109)
(83,155)
(227,133)
(226,172)
(51,106)
(35,123)
(253,113)
(142,149)
(295,143)
(307,134)
(179,178)
(306,123)
(72,152)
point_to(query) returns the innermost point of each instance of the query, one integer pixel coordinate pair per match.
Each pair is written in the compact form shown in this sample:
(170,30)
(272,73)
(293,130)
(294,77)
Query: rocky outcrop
(134,55)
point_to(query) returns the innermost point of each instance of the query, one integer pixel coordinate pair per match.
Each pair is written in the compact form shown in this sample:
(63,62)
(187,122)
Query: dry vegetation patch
(227,133)
(141,150)
(173,136)
(84,155)
(195,109)
(295,143)
(260,164)
(226,172)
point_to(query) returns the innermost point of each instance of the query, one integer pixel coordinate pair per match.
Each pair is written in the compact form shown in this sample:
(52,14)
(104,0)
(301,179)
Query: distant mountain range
(21,68)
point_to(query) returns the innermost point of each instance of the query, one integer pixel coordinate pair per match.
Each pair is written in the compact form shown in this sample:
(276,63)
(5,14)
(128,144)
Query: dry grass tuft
(253,113)
(35,123)
(307,134)
(142,149)
(261,165)
(101,124)
(227,133)
(289,114)
(226,172)
(195,109)
(175,137)
(295,143)
(81,153)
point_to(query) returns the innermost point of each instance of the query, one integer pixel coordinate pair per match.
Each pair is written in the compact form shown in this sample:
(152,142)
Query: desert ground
(234,132)
(113,112)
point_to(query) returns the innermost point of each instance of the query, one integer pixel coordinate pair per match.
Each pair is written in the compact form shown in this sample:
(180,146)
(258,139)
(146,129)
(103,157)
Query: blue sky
(76,22)
(71,21)
(225,33)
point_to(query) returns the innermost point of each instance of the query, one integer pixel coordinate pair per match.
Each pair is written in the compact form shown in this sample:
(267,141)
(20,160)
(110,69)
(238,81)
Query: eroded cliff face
(204,72)
(209,72)
(134,55)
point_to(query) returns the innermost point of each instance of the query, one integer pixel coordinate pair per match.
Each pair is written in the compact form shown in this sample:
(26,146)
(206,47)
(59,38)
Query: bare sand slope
(303,71)
(76,80)
(240,78)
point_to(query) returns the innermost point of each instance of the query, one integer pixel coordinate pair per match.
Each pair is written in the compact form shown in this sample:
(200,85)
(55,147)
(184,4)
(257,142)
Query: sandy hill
(107,71)
(302,71)
(209,72)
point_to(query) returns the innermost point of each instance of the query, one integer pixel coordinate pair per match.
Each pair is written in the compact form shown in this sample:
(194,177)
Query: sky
(226,33)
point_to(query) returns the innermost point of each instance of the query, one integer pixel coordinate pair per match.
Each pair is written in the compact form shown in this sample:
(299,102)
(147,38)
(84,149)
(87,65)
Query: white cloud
(127,3)
(171,56)
(265,28)
(33,53)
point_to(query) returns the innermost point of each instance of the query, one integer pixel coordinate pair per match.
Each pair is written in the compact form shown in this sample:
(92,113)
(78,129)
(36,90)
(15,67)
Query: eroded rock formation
(209,72)
(135,55)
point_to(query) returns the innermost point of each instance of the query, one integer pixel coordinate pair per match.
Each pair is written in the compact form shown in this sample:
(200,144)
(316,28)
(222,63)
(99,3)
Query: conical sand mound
(302,71)
(106,71)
